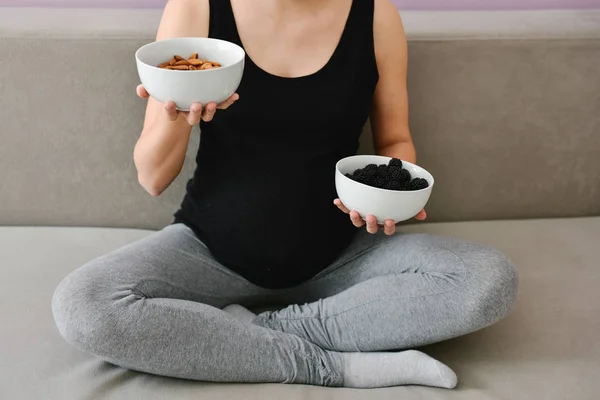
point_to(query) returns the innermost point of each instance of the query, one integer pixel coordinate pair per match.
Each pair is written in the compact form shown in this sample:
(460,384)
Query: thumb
(141,92)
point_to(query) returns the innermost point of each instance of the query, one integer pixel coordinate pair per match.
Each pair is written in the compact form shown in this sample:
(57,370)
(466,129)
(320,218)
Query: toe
(448,377)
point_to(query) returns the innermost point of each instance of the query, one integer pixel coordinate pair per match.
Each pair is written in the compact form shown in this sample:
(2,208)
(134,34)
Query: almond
(192,64)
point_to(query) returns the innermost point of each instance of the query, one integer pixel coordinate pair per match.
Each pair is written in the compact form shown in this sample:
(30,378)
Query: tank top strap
(222,22)
(360,21)
(357,39)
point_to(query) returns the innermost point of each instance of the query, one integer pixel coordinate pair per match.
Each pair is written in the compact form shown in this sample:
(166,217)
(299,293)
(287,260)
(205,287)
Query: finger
(209,112)
(341,206)
(224,105)
(356,219)
(421,216)
(171,110)
(140,90)
(389,227)
(372,226)
(193,117)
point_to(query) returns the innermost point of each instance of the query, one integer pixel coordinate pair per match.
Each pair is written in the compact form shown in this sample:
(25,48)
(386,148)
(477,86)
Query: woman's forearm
(404,150)
(160,152)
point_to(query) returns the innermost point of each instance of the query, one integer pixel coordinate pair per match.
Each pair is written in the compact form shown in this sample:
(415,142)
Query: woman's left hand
(389,227)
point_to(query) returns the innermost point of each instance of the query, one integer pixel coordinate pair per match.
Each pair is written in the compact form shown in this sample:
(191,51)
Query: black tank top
(261,198)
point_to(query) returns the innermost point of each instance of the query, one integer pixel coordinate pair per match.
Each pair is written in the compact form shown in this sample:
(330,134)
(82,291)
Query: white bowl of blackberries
(387,188)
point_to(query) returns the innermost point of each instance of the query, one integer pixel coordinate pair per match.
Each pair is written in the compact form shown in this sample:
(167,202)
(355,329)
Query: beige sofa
(505,112)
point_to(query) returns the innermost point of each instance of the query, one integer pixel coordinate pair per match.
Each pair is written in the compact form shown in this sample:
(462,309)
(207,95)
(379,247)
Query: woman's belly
(277,229)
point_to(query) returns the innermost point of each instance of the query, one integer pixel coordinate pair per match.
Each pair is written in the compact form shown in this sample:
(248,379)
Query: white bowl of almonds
(190,70)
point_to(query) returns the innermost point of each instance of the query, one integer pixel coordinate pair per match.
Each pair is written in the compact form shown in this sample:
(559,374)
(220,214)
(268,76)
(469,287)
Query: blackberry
(382,170)
(395,185)
(395,162)
(360,176)
(418,184)
(400,175)
(378,182)
(369,180)
(370,167)
(369,172)
(403,185)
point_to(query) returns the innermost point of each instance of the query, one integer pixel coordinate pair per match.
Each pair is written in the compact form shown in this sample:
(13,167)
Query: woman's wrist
(403,150)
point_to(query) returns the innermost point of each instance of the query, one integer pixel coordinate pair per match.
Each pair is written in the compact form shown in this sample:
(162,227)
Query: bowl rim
(241,60)
(343,176)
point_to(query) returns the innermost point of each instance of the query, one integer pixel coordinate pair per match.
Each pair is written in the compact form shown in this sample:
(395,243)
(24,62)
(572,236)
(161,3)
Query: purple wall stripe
(402,4)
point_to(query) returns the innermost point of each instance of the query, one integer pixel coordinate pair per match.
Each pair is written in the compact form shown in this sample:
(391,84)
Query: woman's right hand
(197,111)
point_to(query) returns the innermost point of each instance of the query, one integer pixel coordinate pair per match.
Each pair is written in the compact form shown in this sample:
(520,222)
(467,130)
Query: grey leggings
(155,306)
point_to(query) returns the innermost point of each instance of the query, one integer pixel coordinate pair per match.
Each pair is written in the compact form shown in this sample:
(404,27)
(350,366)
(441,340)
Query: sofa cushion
(548,348)
(503,112)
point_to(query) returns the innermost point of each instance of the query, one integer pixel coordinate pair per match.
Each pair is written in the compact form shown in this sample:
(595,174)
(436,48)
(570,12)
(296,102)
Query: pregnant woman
(258,226)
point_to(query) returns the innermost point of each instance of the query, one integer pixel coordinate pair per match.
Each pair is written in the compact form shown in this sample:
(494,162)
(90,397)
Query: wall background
(402,4)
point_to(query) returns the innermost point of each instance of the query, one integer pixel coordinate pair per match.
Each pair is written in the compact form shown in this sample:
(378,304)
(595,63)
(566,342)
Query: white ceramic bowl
(186,87)
(382,203)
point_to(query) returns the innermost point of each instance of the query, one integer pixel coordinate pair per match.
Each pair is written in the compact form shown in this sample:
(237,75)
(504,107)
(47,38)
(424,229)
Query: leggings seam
(463,270)
(335,267)
(137,292)
(315,362)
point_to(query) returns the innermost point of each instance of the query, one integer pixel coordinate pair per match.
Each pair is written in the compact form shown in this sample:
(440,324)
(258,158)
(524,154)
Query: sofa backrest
(504,108)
